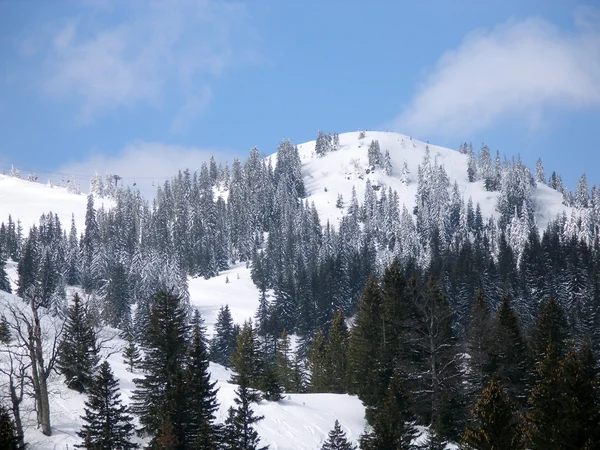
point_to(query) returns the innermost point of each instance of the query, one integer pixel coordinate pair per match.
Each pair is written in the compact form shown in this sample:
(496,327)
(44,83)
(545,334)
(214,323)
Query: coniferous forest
(485,330)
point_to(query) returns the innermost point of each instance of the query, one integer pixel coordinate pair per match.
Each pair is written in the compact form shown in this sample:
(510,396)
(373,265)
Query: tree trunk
(40,377)
(16,402)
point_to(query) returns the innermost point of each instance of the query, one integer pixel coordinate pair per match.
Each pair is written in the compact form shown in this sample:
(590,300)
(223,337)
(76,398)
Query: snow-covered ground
(336,173)
(299,421)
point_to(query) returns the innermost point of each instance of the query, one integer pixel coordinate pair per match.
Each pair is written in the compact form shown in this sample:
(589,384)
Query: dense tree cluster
(451,312)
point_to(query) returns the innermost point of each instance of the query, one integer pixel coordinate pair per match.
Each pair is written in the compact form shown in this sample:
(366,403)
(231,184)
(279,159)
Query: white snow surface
(27,201)
(336,172)
(299,421)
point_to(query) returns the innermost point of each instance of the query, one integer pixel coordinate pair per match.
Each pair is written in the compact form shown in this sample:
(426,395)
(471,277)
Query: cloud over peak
(517,69)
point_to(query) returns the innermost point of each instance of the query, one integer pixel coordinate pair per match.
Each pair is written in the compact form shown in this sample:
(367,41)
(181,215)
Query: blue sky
(143,88)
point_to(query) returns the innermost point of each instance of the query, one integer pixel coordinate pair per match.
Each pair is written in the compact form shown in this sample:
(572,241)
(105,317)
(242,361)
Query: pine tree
(478,345)
(374,153)
(508,352)
(337,355)
(4,281)
(394,424)
(564,405)
(540,173)
(582,195)
(201,433)
(131,354)
(239,431)
(550,329)
(5,335)
(107,424)
(284,363)
(364,345)
(246,362)
(496,422)
(337,440)
(78,352)
(224,342)
(270,383)
(8,438)
(317,363)
(159,398)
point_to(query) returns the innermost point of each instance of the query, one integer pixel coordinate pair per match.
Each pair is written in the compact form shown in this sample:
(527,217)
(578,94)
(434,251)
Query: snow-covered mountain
(336,172)
(300,421)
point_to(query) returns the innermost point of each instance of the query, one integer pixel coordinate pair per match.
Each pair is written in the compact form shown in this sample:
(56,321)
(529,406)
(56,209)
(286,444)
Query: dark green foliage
(131,354)
(239,432)
(246,362)
(201,433)
(478,346)
(4,281)
(107,424)
(438,382)
(284,364)
(394,423)
(116,293)
(270,383)
(364,346)
(224,342)
(78,352)
(317,363)
(337,440)
(565,404)
(550,328)
(496,422)
(160,397)
(27,268)
(5,335)
(508,353)
(336,357)
(8,438)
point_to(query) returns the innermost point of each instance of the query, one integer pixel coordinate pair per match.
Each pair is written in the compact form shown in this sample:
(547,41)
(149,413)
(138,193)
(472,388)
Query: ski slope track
(299,421)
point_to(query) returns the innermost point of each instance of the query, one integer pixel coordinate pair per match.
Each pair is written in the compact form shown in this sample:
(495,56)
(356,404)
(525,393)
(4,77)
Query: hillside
(299,421)
(336,172)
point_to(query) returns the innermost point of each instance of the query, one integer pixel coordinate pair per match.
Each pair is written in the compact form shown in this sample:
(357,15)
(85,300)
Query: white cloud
(518,69)
(155,52)
(147,164)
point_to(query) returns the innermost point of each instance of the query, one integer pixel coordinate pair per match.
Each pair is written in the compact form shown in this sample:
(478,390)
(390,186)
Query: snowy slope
(27,201)
(338,171)
(298,421)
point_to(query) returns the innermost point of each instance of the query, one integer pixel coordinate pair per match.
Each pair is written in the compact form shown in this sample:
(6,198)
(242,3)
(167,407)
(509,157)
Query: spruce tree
(107,424)
(224,342)
(246,362)
(565,404)
(550,328)
(131,354)
(8,438)
(239,431)
(508,352)
(478,346)
(337,355)
(78,352)
(394,423)
(317,364)
(160,397)
(270,383)
(364,348)
(337,440)
(5,335)
(201,433)
(4,281)
(496,422)
(284,363)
